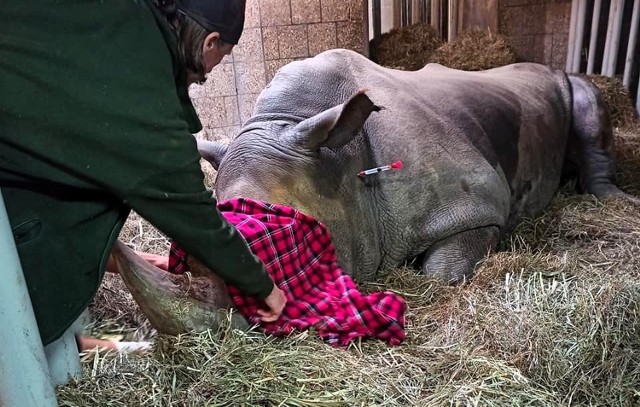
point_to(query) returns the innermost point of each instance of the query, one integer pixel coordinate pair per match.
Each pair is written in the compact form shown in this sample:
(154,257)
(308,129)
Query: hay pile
(475,50)
(411,48)
(554,319)
(617,97)
(407,48)
(628,156)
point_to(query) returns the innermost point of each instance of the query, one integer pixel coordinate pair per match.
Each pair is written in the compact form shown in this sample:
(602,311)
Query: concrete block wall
(538,29)
(276,32)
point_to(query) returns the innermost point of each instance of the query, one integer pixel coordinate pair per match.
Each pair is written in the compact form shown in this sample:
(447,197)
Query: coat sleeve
(175,201)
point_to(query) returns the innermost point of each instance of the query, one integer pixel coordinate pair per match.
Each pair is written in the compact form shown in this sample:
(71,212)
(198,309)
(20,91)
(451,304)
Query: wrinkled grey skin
(480,151)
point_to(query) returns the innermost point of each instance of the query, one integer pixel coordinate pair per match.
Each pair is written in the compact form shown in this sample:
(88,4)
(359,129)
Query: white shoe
(133,347)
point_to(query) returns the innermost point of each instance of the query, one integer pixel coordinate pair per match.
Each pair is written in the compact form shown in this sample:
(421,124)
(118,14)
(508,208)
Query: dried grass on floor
(552,320)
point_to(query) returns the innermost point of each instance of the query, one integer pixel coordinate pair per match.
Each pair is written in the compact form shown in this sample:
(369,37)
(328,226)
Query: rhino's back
(456,107)
(310,86)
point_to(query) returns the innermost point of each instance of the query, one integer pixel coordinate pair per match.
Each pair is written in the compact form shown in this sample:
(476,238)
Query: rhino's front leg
(454,258)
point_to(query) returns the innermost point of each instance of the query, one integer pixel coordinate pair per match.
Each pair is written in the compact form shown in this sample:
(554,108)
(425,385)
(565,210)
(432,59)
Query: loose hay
(628,157)
(551,320)
(116,313)
(475,50)
(407,48)
(141,236)
(617,98)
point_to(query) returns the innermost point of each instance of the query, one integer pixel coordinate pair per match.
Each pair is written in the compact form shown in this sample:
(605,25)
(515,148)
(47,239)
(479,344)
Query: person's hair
(191,36)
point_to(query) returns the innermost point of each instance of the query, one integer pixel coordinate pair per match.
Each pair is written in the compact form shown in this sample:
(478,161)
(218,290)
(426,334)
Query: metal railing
(605,46)
(407,12)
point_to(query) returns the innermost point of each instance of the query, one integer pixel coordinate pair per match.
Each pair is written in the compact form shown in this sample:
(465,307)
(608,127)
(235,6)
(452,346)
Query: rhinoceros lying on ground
(481,150)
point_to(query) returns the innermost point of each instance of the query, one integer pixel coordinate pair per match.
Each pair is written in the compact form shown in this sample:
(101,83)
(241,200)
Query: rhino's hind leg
(591,147)
(454,258)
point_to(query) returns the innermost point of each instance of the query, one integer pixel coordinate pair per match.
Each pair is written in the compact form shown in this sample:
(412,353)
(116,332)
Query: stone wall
(276,32)
(538,29)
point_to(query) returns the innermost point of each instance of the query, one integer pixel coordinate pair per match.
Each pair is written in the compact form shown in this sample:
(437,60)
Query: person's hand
(275,303)
(162,262)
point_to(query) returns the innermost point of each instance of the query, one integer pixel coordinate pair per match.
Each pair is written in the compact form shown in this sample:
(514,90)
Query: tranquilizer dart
(395,166)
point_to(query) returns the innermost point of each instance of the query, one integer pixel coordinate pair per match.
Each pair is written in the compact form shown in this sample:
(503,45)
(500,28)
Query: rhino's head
(310,165)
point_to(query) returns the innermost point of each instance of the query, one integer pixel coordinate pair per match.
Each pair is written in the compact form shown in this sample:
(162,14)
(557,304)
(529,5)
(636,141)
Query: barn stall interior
(550,320)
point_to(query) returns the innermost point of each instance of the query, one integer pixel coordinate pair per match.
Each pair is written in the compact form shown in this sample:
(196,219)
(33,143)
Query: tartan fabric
(300,257)
(177,260)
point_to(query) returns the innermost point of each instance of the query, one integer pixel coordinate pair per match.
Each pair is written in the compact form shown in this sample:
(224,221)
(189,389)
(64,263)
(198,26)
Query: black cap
(223,16)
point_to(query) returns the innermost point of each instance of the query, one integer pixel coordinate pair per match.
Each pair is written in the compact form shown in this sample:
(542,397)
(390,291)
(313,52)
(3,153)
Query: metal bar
(638,97)
(593,40)
(424,13)
(572,35)
(631,46)
(64,362)
(396,6)
(615,39)
(453,20)
(407,12)
(435,14)
(24,372)
(377,20)
(415,11)
(579,36)
(425,6)
(607,44)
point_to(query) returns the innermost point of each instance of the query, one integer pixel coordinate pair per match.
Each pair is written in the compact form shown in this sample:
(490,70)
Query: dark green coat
(94,123)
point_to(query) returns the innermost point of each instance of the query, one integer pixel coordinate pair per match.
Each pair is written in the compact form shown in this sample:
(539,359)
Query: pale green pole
(62,357)
(24,372)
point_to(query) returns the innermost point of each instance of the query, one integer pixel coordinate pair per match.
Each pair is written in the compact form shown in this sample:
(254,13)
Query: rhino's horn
(175,304)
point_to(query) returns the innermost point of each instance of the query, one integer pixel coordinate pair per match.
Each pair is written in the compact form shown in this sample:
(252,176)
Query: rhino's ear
(212,151)
(337,126)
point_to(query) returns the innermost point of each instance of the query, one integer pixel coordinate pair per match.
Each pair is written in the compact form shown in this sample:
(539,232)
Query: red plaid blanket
(299,255)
